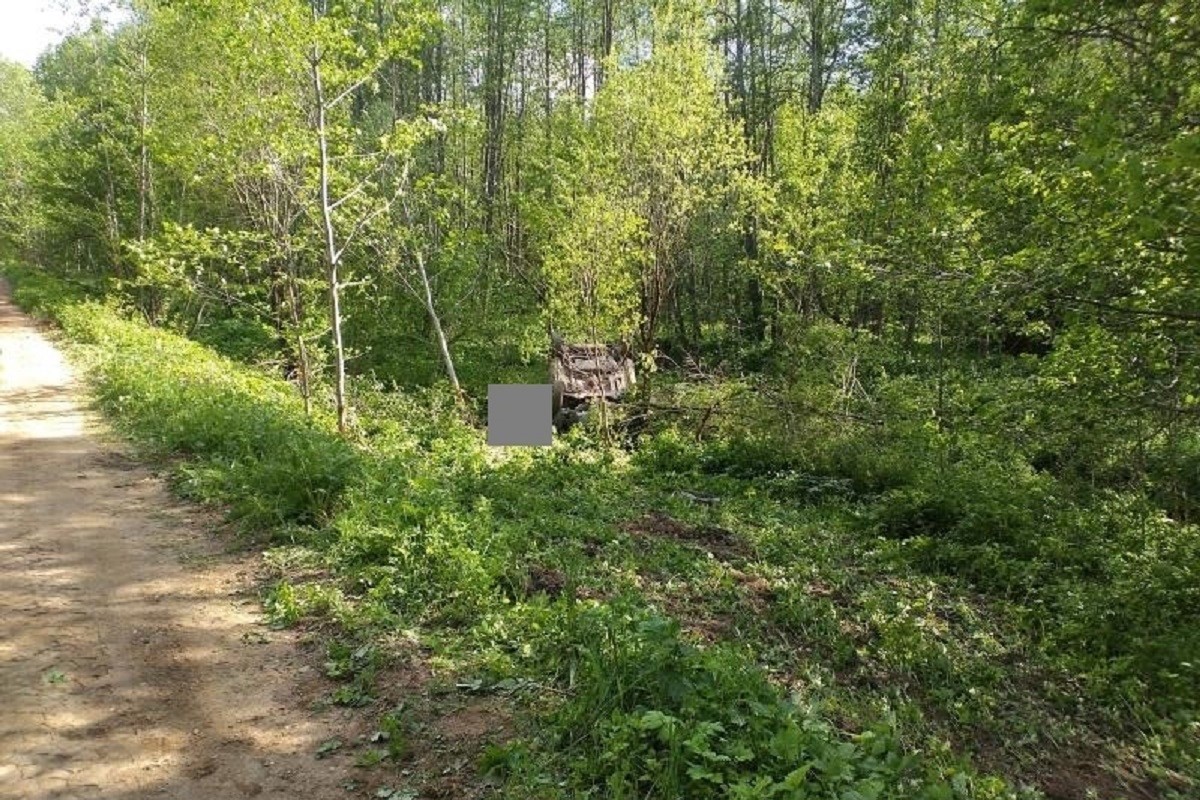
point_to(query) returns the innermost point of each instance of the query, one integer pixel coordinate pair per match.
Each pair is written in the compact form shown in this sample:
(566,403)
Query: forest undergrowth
(841,606)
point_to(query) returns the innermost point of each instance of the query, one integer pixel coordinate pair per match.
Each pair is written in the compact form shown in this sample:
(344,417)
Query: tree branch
(348,91)
(1141,312)
(369,218)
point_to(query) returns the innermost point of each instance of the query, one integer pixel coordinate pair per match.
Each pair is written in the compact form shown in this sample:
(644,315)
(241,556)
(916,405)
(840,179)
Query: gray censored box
(520,414)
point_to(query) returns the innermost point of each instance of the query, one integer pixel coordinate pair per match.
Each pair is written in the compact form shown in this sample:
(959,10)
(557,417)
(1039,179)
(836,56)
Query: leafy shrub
(749,457)
(287,603)
(653,716)
(1128,602)
(1174,476)
(252,445)
(911,511)
(667,451)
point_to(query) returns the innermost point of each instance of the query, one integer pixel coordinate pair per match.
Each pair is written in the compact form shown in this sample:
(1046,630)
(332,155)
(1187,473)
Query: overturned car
(584,373)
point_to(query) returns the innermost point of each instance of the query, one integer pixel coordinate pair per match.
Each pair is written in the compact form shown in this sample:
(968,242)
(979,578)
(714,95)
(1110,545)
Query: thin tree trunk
(436,322)
(144,150)
(297,314)
(495,78)
(332,256)
(606,40)
(580,56)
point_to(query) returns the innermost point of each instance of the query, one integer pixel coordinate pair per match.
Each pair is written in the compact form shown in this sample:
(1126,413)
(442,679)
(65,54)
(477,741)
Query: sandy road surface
(133,662)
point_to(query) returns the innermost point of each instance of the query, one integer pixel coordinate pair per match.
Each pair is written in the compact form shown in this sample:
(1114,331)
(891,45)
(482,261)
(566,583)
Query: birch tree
(349,46)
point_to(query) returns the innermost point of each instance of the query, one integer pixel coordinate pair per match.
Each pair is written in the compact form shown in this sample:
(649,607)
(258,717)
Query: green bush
(251,444)
(653,716)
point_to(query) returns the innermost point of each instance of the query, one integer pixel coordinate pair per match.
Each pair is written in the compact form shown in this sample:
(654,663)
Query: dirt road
(133,659)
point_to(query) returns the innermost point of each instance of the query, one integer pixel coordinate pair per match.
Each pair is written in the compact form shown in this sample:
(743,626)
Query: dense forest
(905,501)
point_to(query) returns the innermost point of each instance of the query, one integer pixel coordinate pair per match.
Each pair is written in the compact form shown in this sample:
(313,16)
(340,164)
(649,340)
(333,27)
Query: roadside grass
(696,620)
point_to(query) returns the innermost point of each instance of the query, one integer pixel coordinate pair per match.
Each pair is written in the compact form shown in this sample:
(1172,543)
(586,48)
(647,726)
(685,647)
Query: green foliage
(252,444)
(923,436)
(393,729)
(592,268)
(502,559)
(654,716)
(25,118)
(355,666)
(207,284)
(667,153)
(288,603)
